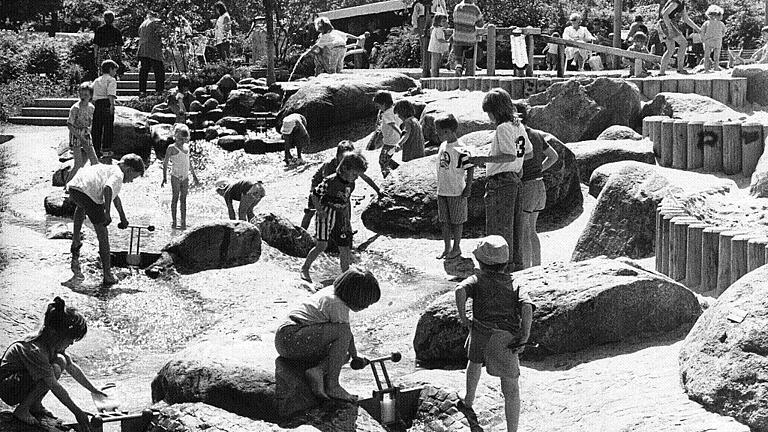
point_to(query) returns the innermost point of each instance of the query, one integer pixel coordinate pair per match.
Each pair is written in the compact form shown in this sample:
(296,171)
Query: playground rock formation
(131,132)
(212,245)
(200,417)
(328,100)
(440,336)
(409,204)
(723,359)
(592,154)
(757,82)
(618,132)
(689,106)
(623,221)
(161,136)
(282,234)
(463,105)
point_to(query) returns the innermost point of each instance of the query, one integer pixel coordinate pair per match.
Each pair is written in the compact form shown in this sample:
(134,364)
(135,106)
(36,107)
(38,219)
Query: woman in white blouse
(578,33)
(330,48)
(223,32)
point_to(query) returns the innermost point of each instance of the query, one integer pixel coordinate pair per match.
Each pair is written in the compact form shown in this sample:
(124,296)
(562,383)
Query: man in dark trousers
(108,43)
(151,53)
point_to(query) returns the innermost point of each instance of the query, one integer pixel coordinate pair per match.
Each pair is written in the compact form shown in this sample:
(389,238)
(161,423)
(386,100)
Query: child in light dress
(178,155)
(79,124)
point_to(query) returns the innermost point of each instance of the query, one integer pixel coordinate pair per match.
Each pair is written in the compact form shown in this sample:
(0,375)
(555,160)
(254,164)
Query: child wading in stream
(178,154)
(32,367)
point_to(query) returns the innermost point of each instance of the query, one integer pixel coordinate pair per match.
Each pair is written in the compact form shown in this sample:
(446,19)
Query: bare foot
(442,255)
(24,416)
(173,225)
(305,275)
(40,411)
(183,226)
(453,254)
(337,392)
(109,280)
(315,378)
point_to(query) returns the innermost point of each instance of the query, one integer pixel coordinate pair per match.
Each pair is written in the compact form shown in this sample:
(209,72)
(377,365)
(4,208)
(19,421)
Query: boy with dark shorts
(332,200)
(249,191)
(453,188)
(500,325)
(93,190)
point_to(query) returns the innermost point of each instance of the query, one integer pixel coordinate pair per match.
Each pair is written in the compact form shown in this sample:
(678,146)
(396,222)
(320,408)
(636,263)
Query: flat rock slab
(215,245)
(619,132)
(689,106)
(724,360)
(282,234)
(592,154)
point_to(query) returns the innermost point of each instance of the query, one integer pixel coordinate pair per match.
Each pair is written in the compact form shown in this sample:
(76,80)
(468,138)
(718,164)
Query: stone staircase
(55,111)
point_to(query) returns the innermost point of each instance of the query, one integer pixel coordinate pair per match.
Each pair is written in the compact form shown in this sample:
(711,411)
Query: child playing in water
(93,190)
(319,328)
(412,138)
(178,154)
(453,188)
(389,125)
(500,324)
(712,33)
(32,367)
(249,191)
(79,124)
(331,199)
(180,98)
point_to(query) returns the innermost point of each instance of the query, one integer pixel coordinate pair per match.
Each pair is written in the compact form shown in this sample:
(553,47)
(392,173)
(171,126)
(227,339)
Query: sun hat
(492,250)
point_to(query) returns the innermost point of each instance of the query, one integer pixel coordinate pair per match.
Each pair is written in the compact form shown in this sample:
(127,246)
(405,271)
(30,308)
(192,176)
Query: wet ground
(136,325)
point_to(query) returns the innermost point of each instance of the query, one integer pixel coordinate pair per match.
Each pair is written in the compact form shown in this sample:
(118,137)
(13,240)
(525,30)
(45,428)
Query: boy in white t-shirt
(93,190)
(453,188)
(389,125)
(104,97)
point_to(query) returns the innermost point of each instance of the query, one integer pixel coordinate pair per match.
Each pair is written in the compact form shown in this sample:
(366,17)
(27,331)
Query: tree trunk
(615,60)
(54,24)
(269,15)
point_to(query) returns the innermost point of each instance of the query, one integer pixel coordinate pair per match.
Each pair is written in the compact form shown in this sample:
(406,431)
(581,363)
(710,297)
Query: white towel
(519,50)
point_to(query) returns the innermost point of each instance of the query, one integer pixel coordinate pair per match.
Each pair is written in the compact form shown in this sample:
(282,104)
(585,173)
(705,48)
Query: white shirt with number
(510,138)
(92,179)
(452,161)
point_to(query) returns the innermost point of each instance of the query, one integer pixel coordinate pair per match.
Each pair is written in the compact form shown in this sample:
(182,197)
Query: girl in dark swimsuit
(670,17)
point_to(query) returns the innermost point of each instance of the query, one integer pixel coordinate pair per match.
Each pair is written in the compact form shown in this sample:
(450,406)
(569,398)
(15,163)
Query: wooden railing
(562,43)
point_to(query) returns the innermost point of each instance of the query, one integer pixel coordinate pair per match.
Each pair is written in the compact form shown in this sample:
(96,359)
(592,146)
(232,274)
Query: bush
(44,59)
(210,74)
(12,59)
(23,90)
(145,104)
(81,54)
(402,49)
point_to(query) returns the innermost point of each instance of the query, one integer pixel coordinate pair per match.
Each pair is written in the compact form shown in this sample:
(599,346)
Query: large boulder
(758,186)
(239,104)
(619,132)
(564,110)
(623,222)
(465,106)
(328,100)
(225,85)
(214,245)
(593,154)
(409,204)
(578,305)
(131,132)
(224,374)
(162,137)
(724,359)
(757,82)
(283,235)
(689,106)
(58,203)
(620,103)
(200,417)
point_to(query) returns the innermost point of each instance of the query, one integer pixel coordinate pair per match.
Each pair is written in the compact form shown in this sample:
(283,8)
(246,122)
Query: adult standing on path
(257,36)
(670,17)
(108,42)
(151,53)
(576,32)
(223,31)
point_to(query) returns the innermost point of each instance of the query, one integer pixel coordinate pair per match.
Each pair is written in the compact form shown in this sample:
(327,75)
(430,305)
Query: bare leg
(535,243)
(474,370)
(184,190)
(683,46)
(174,199)
(526,236)
(511,391)
(717,58)
(707,58)
(32,403)
(307,219)
(345,258)
(311,257)
(338,353)
(667,56)
(456,232)
(106,263)
(446,228)
(78,162)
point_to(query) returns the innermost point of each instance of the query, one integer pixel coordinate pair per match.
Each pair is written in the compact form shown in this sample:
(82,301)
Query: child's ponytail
(65,321)
(54,315)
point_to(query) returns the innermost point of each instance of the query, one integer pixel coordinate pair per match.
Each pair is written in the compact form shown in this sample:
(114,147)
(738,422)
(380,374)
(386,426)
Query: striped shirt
(465,19)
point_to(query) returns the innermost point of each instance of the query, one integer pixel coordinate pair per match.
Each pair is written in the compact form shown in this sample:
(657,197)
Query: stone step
(45,112)
(39,121)
(134,76)
(54,102)
(150,84)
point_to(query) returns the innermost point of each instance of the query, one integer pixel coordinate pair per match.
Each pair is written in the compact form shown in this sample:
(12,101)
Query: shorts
(490,347)
(669,32)
(452,209)
(15,388)
(533,196)
(332,227)
(94,211)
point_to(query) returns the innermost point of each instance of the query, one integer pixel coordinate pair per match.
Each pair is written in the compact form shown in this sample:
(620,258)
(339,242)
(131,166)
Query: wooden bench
(639,58)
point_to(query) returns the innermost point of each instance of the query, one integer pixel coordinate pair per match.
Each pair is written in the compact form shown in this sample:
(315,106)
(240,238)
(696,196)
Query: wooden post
(542,84)
(666,236)
(710,253)
(686,85)
(453,83)
(646,127)
(667,142)
(713,147)
(518,88)
(495,83)
(751,147)
(695,155)
(659,244)
(703,87)
(616,60)
(463,83)
(529,86)
(471,81)
(268,15)
(652,87)
(485,83)
(678,245)
(638,65)
(561,60)
(529,47)
(732,147)
(739,257)
(738,91)
(756,252)
(693,255)
(506,84)
(679,149)
(491,55)
(654,132)
(721,90)
(669,84)
(724,259)
(638,82)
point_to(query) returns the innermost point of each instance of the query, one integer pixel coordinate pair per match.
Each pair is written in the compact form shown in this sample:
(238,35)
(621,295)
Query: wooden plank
(667,142)
(652,87)
(738,91)
(669,84)
(603,49)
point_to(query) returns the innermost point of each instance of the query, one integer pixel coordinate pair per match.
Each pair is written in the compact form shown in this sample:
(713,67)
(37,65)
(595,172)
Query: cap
(492,250)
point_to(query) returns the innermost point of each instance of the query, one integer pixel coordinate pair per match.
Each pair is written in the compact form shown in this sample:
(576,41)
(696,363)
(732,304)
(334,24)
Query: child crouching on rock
(319,330)
(32,367)
(500,325)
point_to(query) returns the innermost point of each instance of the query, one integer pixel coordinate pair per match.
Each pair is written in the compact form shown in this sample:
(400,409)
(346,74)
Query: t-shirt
(510,138)
(237,189)
(413,147)
(104,86)
(223,32)
(434,45)
(334,192)
(390,134)
(150,39)
(325,170)
(532,166)
(465,19)
(31,356)
(496,302)
(712,31)
(92,180)
(322,307)
(451,164)
(107,35)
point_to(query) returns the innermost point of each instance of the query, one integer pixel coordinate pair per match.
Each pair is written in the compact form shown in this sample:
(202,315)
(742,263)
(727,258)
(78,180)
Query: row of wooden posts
(729,147)
(727,90)
(517,87)
(704,257)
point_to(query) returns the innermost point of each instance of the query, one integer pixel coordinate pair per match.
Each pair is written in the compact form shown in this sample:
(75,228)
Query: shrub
(23,90)
(81,54)
(402,49)
(43,58)
(73,75)
(210,74)
(145,104)
(12,59)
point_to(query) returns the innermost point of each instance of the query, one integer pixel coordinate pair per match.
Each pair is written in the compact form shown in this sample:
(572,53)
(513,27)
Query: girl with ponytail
(30,368)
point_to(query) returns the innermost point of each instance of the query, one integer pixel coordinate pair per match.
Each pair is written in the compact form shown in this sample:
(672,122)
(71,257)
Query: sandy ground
(137,324)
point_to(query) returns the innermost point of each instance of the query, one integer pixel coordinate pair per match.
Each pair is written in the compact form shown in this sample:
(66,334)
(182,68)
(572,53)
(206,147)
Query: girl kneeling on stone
(32,367)
(319,330)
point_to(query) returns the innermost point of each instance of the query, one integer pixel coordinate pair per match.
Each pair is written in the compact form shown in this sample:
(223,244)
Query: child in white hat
(500,325)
